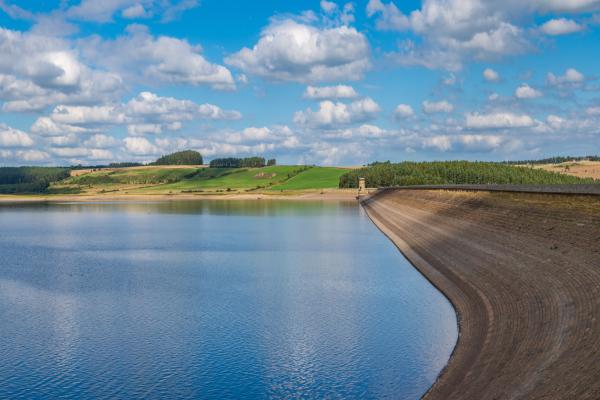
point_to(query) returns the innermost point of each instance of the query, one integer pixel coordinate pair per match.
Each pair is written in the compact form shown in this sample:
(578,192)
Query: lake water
(212,300)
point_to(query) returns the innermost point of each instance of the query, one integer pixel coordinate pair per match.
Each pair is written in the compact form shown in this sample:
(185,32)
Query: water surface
(223,300)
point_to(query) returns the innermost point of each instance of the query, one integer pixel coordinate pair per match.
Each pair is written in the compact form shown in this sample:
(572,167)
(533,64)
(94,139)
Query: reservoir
(212,300)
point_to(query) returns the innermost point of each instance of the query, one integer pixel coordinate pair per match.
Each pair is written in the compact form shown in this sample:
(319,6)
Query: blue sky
(306,82)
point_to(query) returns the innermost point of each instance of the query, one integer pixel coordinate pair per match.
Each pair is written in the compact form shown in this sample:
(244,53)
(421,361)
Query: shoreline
(312,195)
(526,302)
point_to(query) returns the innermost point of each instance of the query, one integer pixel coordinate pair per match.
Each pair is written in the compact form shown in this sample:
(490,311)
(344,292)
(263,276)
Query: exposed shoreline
(522,272)
(309,195)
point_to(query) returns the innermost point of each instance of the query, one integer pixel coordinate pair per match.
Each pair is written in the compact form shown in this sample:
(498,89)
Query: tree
(271,162)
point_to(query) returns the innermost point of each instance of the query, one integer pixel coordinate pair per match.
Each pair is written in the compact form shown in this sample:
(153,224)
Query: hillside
(199,179)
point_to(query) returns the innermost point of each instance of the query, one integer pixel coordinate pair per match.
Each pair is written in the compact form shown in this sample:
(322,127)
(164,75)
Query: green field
(134,176)
(314,178)
(167,179)
(233,179)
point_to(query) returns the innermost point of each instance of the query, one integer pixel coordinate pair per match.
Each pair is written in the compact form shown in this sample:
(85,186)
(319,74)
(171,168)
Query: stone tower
(362,187)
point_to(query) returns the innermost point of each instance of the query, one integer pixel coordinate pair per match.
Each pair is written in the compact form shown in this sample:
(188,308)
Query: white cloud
(84,115)
(330,92)
(140,146)
(560,26)
(452,30)
(498,121)
(389,16)
(572,77)
(145,113)
(331,114)
(100,141)
(45,126)
(64,141)
(437,107)
(279,134)
(141,56)
(10,137)
(475,143)
(171,109)
(328,6)
(593,110)
(74,153)
(490,75)
(104,11)
(37,71)
(441,143)
(403,111)
(135,11)
(32,155)
(292,51)
(527,92)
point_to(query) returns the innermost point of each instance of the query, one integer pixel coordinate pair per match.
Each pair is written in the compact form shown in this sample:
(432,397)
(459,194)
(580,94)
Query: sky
(311,82)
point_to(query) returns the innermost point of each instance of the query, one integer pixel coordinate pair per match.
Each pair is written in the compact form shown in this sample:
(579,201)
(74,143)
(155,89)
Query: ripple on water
(270,300)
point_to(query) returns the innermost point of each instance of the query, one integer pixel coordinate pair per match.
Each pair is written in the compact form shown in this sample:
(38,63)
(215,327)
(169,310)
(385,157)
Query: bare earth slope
(523,272)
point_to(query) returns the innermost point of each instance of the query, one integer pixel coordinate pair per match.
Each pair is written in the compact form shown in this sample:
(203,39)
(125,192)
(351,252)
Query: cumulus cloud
(561,26)
(46,126)
(104,11)
(499,120)
(139,55)
(87,115)
(100,141)
(39,70)
(593,110)
(571,77)
(140,146)
(145,113)
(527,92)
(479,143)
(443,106)
(330,92)
(292,51)
(32,155)
(331,114)
(328,6)
(170,109)
(10,137)
(403,111)
(490,75)
(453,31)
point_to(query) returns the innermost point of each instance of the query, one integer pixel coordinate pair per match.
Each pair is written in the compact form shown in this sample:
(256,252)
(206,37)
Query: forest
(248,162)
(186,157)
(30,179)
(452,172)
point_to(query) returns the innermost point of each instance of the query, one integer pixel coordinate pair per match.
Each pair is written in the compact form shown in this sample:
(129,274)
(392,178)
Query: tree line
(30,179)
(248,162)
(554,160)
(186,157)
(452,172)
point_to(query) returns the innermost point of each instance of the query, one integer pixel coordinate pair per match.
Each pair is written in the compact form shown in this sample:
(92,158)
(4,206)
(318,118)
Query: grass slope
(133,176)
(314,178)
(233,178)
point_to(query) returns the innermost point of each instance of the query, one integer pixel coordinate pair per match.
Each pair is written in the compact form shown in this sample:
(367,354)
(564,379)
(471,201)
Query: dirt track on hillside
(523,273)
